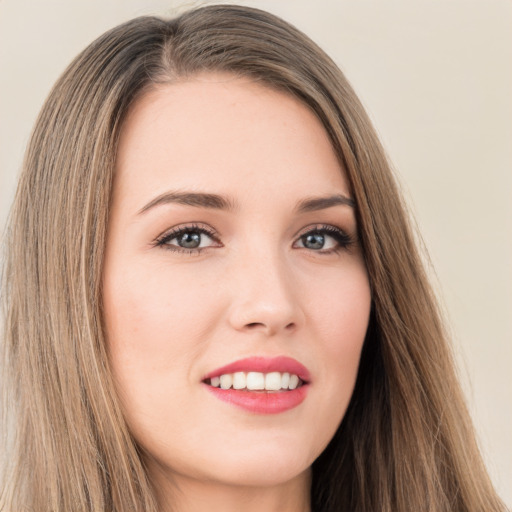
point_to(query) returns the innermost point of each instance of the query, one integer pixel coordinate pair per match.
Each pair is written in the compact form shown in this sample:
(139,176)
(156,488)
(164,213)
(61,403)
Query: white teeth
(273,381)
(294,381)
(256,381)
(239,380)
(226,381)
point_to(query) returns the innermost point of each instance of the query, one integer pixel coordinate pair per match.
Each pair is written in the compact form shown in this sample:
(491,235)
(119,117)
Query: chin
(250,475)
(273,463)
(262,473)
(255,465)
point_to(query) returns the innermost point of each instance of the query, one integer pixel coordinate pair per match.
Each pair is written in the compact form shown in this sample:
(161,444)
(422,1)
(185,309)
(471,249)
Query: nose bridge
(265,297)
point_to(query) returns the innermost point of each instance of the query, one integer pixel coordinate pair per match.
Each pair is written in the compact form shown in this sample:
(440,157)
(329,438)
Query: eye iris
(189,240)
(314,241)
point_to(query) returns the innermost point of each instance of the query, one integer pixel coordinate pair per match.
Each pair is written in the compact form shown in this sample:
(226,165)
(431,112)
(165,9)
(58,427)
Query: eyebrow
(197,199)
(217,202)
(321,203)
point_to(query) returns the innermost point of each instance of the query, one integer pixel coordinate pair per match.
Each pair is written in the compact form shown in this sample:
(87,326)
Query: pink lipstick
(260,385)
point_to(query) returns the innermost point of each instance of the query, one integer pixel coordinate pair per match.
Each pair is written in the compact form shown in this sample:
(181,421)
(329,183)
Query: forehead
(228,135)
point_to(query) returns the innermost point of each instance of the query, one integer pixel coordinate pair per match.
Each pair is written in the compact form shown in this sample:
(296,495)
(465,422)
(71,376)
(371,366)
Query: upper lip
(264,365)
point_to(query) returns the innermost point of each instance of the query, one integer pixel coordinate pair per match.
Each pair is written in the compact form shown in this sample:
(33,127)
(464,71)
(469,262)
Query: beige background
(436,78)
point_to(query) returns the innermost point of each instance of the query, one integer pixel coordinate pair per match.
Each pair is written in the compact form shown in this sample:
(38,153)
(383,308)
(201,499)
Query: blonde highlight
(406,442)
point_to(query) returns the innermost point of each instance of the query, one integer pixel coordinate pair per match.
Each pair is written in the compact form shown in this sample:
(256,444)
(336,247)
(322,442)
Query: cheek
(342,311)
(341,324)
(152,317)
(155,331)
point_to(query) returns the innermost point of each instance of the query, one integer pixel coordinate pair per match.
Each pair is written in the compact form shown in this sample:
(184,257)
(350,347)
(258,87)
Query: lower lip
(261,402)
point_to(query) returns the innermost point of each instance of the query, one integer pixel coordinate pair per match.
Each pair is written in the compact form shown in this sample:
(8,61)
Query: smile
(257,381)
(260,385)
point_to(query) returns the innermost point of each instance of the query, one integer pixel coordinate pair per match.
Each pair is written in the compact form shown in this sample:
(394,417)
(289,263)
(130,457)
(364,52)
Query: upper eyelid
(176,230)
(213,234)
(320,227)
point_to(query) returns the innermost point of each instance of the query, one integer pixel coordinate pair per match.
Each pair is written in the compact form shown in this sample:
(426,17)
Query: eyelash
(163,241)
(343,240)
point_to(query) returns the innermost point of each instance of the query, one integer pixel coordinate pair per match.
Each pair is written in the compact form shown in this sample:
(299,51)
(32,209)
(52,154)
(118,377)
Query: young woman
(213,297)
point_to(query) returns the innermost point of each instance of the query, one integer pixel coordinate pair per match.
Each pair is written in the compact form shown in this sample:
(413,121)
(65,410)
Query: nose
(265,297)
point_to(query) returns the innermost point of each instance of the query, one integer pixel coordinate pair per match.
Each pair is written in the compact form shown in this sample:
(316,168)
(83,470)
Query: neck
(183,494)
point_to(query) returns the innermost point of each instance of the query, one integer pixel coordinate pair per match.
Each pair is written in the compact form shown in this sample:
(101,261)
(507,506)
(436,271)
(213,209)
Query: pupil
(190,240)
(314,241)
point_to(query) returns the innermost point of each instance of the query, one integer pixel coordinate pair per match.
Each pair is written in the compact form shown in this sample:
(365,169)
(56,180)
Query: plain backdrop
(436,78)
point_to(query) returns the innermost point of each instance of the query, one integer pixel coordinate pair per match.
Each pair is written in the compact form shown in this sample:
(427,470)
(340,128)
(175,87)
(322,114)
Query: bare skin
(232,235)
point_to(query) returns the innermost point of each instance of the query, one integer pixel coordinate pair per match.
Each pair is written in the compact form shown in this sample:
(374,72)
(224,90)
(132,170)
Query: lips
(260,385)
(280,364)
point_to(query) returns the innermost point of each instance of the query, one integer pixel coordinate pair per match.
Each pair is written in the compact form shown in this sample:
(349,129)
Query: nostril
(262,325)
(254,325)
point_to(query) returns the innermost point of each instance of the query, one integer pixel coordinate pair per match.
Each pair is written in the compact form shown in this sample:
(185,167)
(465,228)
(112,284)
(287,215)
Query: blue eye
(313,241)
(188,238)
(193,239)
(324,239)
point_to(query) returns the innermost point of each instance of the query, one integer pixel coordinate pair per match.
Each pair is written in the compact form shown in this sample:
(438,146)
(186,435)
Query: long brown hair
(406,442)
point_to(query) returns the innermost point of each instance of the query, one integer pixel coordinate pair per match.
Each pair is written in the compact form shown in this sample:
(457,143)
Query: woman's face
(232,260)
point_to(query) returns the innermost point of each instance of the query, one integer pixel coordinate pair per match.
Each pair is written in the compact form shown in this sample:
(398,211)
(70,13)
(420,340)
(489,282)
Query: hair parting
(406,442)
